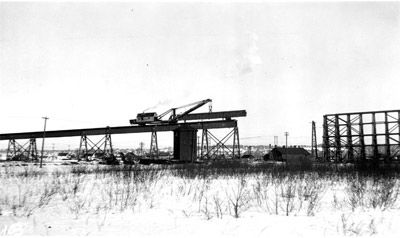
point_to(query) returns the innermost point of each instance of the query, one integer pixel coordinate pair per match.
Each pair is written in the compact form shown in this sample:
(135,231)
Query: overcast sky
(286,64)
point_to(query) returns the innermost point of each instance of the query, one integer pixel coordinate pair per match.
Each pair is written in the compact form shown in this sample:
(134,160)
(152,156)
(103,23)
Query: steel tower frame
(103,146)
(16,150)
(154,153)
(362,136)
(220,147)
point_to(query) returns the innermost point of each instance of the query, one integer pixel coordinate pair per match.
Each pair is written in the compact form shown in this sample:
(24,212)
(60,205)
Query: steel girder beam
(214,115)
(367,112)
(119,130)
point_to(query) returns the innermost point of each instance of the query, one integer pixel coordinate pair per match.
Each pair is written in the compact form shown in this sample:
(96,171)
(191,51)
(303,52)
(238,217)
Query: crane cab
(145,117)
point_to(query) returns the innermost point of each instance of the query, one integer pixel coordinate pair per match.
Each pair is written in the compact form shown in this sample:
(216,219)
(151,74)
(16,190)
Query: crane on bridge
(152,117)
(184,125)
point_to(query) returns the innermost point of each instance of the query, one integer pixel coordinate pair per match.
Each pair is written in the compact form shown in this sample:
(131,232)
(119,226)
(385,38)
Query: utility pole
(314,150)
(286,134)
(141,149)
(198,147)
(53,152)
(44,136)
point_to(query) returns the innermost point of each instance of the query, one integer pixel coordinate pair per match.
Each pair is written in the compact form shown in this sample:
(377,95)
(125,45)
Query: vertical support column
(198,154)
(185,142)
(83,142)
(374,138)
(361,138)
(398,125)
(154,145)
(204,138)
(325,138)
(108,143)
(11,150)
(398,129)
(387,137)
(350,149)
(32,149)
(194,146)
(236,144)
(338,153)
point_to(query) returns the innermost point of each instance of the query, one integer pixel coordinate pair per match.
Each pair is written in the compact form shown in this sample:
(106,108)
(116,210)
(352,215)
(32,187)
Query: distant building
(247,157)
(62,156)
(290,153)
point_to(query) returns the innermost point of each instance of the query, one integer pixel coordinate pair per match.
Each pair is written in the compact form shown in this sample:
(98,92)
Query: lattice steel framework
(88,147)
(154,145)
(362,136)
(16,151)
(204,144)
(220,149)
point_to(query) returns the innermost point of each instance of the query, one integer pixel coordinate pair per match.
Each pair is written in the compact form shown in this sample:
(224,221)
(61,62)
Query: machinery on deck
(145,117)
(152,117)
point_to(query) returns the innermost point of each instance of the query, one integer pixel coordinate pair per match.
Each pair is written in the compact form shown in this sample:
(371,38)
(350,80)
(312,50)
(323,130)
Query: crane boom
(174,117)
(196,105)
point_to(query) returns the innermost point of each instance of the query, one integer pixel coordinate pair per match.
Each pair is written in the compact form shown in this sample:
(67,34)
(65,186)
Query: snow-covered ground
(143,201)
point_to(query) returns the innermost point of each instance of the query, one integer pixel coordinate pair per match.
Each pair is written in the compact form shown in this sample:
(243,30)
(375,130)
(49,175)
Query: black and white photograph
(200,118)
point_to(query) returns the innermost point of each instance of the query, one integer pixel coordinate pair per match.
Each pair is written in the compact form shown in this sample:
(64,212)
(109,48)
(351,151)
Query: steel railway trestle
(104,146)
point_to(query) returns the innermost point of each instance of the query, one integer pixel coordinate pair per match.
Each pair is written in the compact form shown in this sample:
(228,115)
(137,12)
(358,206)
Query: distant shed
(62,156)
(291,153)
(247,157)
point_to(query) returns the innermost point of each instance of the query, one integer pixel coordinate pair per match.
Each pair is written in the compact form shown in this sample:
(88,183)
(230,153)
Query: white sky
(98,64)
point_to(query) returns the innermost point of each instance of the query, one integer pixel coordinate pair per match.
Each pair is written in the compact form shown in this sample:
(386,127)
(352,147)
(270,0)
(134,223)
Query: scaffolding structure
(88,148)
(220,148)
(26,151)
(362,136)
(154,153)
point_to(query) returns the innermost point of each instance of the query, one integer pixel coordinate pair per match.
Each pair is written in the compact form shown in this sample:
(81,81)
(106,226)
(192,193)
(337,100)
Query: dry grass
(210,191)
